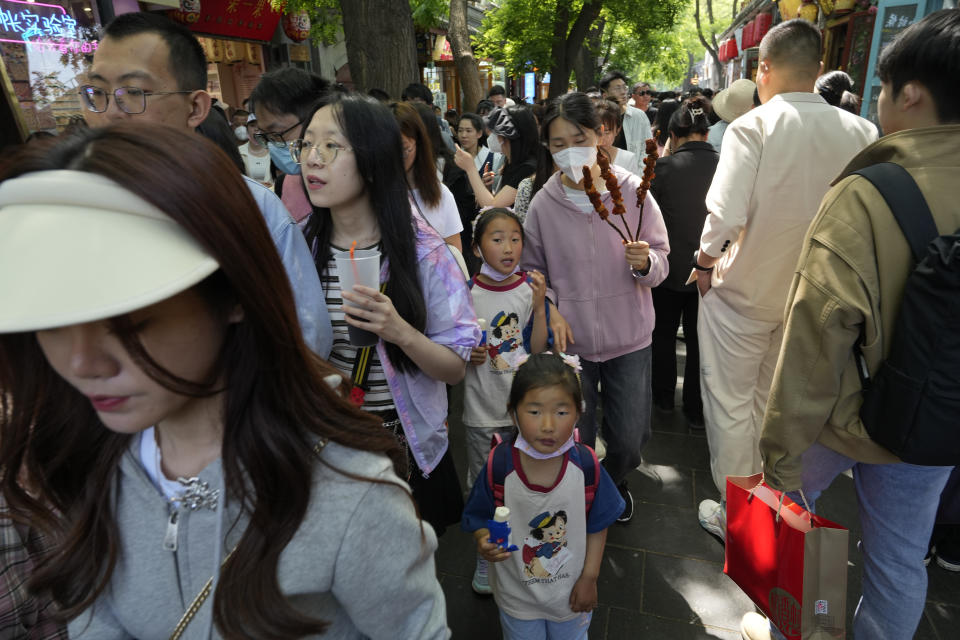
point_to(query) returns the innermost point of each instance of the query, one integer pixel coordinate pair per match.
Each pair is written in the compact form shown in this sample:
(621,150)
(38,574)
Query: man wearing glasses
(149,69)
(642,95)
(281,101)
(634,127)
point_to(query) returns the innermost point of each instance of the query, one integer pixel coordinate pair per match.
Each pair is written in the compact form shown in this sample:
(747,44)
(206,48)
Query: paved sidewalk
(662,575)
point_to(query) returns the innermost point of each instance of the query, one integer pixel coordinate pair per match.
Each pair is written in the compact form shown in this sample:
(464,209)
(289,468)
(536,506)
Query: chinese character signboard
(249,19)
(41,25)
(893,16)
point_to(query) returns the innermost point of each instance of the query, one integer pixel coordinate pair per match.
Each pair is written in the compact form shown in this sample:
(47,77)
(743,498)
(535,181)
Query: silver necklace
(196,493)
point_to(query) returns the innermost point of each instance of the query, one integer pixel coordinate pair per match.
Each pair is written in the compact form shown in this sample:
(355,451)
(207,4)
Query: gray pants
(478,448)
(626,394)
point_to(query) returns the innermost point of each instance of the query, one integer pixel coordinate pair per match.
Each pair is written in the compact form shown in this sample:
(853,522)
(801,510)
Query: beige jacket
(849,282)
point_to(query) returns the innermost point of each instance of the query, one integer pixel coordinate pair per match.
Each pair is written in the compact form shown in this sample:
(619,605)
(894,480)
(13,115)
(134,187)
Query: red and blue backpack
(500,460)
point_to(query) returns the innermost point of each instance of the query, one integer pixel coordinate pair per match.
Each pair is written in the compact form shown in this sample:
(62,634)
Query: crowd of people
(204,434)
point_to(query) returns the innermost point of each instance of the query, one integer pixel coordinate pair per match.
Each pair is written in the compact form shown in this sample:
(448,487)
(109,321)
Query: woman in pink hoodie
(599,284)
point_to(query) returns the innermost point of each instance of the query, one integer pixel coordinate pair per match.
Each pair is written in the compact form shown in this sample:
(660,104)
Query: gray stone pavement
(662,575)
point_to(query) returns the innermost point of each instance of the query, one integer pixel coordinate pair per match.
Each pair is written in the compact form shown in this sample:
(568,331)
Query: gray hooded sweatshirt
(359,560)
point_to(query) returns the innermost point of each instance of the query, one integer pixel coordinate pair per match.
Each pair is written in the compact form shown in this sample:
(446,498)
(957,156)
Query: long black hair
(374,135)
(523,146)
(576,108)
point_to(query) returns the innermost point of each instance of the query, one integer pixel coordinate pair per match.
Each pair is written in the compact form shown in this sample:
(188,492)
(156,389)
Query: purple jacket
(421,401)
(609,309)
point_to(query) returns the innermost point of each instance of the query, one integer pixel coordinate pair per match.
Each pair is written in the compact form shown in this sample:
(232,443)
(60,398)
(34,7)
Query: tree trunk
(566,45)
(381,47)
(467,69)
(585,64)
(712,50)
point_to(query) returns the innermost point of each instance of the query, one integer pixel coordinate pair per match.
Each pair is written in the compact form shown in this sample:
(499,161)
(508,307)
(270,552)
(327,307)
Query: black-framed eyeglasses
(132,100)
(263,137)
(300,151)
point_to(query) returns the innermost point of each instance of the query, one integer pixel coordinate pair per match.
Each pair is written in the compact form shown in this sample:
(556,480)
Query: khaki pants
(737,358)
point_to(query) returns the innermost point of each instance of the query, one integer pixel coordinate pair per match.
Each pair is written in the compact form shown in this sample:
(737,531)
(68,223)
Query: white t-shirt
(343,354)
(257,167)
(628,160)
(508,310)
(445,217)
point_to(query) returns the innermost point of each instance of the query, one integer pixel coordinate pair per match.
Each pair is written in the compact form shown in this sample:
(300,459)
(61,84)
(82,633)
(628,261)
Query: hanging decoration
(297,25)
(188,13)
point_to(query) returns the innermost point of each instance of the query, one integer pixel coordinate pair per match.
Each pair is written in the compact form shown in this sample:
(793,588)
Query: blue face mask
(282,159)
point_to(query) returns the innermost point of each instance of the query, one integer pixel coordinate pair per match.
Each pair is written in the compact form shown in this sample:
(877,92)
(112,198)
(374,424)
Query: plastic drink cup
(362,269)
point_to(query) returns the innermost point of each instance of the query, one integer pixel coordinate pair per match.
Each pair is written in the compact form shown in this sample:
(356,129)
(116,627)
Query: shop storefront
(45,48)
(892,17)
(233,34)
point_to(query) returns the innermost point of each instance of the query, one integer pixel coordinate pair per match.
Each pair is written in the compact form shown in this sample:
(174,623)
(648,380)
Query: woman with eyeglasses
(351,156)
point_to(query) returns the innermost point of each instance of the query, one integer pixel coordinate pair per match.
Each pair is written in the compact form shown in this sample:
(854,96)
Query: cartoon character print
(545,549)
(505,341)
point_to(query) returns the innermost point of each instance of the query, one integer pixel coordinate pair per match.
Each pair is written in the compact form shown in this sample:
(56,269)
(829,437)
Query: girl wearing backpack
(548,587)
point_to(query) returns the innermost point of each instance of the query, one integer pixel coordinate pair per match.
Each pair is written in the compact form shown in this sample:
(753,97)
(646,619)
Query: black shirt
(680,187)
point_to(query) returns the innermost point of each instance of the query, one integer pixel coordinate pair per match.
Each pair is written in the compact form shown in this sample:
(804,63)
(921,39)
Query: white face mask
(493,143)
(241,133)
(572,160)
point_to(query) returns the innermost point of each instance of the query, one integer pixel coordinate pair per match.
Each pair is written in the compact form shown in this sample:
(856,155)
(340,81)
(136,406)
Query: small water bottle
(500,529)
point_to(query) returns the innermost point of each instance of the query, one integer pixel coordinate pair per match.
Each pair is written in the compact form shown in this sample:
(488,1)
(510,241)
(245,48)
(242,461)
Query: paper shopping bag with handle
(792,564)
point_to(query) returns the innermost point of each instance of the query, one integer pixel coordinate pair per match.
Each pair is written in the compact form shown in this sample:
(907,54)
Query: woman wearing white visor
(177,442)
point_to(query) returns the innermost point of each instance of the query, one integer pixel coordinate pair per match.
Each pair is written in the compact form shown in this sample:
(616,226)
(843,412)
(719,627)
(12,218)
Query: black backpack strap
(907,203)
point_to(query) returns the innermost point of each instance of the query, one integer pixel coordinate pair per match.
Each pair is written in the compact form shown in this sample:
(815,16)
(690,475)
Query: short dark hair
(484,107)
(795,43)
(544,370)
(609,77)
(417,90)
(927,52)
(496,90)
(288,90)
(379,94)
(831,86)
(185,57)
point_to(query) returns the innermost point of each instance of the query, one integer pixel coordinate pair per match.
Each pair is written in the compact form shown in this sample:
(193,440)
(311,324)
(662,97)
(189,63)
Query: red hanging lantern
(188,13)
(297,26)
(764,20)
(747,39)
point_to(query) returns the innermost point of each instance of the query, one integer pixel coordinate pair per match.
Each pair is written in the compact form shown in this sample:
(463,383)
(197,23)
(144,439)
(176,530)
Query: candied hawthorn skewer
(596,202)
(649,163)
(614,188)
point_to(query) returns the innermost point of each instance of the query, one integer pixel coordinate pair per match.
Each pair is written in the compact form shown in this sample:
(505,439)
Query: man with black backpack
(877,272)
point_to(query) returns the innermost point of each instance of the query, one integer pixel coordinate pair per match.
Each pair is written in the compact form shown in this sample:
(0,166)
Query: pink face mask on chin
(492,273)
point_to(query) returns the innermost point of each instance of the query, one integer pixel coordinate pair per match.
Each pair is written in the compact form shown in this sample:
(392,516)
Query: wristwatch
(698,267)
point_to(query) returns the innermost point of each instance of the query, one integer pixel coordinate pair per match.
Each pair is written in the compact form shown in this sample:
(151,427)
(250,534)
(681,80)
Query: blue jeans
(625,388)
(898,505)
(516,629)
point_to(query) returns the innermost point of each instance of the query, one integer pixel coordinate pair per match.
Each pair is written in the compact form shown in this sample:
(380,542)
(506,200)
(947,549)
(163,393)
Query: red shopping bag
(794,567)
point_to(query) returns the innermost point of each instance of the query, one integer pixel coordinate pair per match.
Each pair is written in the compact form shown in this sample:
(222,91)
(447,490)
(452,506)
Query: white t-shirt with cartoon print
(508,310)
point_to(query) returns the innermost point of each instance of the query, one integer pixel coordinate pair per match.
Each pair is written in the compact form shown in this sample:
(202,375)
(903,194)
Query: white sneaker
(754,626)
(713,518)
(480,583)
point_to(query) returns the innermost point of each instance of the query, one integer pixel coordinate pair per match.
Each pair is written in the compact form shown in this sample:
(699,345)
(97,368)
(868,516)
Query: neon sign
(36,23)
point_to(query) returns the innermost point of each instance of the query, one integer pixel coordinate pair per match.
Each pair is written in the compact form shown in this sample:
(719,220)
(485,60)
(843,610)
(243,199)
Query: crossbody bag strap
(194,607)
(198,601)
